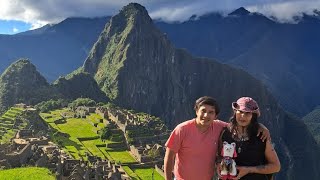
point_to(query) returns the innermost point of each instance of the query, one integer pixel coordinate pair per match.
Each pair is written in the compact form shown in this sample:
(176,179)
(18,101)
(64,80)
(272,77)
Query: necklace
(239,138)
(242,139)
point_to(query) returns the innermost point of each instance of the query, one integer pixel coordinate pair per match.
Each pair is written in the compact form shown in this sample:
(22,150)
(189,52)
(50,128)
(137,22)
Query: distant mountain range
(56,50)
(282,56)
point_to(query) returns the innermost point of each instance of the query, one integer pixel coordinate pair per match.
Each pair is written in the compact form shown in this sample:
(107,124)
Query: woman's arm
(169,163)
(272,166)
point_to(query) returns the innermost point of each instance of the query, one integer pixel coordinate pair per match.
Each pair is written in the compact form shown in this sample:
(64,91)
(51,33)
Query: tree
(105,133)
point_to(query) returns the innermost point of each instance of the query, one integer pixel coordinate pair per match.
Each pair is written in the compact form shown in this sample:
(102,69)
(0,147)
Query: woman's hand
(243,170)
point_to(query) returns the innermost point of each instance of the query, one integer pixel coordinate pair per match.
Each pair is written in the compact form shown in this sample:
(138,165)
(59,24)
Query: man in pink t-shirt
(192,145)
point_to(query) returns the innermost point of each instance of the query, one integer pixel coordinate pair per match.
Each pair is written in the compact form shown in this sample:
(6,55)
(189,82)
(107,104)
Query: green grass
(121,155)
(91,146)
(78,128)
(95,118)
(6,123)
(146,173)
(50,118)
(28,173)
(129,171)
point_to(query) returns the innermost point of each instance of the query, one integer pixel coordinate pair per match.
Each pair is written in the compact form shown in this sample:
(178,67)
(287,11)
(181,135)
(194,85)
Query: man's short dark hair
(208,101)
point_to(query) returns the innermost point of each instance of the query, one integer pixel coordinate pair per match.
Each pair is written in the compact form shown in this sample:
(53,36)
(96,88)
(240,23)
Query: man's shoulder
(185,124)
(220,123)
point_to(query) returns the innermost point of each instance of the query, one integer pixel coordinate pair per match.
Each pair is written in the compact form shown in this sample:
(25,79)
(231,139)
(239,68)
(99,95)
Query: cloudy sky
(21,15)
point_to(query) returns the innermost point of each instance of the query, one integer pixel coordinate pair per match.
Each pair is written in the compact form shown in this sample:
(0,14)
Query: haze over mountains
(137,67)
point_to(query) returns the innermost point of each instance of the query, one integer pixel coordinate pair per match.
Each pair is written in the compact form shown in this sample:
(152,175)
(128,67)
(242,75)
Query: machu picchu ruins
(107,131)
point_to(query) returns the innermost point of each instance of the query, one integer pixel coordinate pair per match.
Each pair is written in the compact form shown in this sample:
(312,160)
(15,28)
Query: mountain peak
(134,9)
(131,23)
(20,65)
(21,71)
(240,12)
(21,82)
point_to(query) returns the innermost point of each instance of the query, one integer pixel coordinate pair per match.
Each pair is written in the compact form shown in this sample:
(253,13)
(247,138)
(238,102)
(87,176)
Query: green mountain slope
(79,85)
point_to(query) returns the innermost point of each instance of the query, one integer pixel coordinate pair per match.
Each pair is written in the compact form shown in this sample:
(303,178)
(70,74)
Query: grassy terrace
(147,173)
(26,174)
(143,173)
(79,135)
(7,121)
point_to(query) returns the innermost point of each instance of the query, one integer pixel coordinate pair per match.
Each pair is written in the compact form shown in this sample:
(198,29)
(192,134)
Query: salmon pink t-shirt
(195,151)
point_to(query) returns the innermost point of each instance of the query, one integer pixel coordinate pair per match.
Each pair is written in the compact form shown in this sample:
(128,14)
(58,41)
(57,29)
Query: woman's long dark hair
(252,129)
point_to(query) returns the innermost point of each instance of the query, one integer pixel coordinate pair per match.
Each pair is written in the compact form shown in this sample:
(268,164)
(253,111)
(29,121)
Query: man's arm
(169,163)
(264,131)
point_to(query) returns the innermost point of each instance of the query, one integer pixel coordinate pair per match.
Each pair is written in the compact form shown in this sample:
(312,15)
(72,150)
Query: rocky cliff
(138,68)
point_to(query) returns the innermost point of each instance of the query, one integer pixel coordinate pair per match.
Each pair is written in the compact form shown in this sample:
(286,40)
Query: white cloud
(41,12)
(15,30)
(285,11)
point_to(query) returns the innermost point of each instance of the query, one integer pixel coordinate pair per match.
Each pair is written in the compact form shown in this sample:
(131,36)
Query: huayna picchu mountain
(138,68)
(22,83)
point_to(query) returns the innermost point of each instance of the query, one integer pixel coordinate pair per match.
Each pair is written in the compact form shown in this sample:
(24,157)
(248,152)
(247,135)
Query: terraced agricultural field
(7,121)
(79,136)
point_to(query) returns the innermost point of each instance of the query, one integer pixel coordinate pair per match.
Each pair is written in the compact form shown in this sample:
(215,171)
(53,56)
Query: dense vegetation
(79,84)
(82,102)
(46,106)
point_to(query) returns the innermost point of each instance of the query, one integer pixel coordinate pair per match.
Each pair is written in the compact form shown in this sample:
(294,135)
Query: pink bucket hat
(246,104)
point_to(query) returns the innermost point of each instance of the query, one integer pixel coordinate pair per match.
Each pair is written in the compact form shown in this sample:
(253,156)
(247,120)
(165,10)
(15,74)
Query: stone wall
(17,159)
(159,170)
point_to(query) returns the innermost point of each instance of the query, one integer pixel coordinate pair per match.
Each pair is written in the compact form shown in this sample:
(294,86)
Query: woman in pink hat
(255,160)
